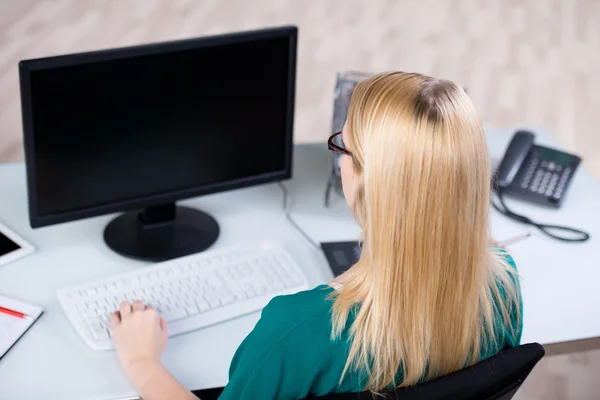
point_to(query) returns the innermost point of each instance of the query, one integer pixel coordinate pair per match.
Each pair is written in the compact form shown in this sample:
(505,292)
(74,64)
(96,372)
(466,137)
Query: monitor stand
(162,232)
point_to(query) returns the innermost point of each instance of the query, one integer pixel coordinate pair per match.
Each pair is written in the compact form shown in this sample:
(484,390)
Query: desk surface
(560,281)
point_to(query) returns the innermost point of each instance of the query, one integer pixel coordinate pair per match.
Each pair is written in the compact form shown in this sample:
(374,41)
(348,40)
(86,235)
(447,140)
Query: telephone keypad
(545,177)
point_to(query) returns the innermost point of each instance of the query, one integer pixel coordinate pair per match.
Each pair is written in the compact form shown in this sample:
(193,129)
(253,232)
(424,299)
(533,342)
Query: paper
(11,327)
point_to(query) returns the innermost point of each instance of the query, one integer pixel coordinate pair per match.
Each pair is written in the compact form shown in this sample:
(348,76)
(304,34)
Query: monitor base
(161,233)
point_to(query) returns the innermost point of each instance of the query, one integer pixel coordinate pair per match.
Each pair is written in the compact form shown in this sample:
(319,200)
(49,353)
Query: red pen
(12,312)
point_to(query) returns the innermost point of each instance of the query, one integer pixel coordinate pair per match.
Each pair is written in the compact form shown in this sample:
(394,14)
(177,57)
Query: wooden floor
(524,63)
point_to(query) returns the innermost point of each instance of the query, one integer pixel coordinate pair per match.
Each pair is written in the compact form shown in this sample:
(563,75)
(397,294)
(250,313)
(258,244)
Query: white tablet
(12,246)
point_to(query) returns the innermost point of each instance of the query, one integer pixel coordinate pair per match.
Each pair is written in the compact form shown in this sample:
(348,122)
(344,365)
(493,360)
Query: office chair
(497,378)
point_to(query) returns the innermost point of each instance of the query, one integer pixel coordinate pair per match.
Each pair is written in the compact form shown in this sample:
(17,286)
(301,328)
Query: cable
(286,209)
(579,235)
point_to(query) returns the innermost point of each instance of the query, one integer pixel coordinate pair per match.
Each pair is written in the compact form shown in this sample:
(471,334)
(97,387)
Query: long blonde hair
(431,289)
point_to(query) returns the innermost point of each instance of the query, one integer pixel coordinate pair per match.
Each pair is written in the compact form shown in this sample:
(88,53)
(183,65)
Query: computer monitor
(136,129)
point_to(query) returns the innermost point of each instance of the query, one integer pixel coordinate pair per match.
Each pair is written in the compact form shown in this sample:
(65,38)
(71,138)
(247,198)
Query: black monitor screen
(135,126)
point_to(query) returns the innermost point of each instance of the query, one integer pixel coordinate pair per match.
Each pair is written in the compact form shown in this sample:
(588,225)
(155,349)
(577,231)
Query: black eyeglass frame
(334,147)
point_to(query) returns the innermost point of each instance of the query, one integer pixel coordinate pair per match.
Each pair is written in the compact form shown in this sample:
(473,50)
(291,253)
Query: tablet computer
(12,246)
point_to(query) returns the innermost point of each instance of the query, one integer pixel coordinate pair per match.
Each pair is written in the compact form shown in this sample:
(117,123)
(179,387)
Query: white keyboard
(190,293)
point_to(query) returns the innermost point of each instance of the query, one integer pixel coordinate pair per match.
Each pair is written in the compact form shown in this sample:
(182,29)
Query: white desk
(561,282)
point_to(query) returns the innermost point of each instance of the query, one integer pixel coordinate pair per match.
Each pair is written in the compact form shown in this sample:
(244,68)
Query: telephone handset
(534,173)
(539,175)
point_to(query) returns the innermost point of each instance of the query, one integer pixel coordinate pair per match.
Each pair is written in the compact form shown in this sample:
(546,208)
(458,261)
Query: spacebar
(174,314)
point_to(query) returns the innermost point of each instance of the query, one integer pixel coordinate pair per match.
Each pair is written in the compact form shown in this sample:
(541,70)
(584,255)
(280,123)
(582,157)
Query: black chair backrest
(497,378)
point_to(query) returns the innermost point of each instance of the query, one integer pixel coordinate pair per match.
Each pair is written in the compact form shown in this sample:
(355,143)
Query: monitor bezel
(27,66)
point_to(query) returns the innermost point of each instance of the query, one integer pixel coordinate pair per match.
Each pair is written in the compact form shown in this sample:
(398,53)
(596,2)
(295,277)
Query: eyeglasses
(335,148)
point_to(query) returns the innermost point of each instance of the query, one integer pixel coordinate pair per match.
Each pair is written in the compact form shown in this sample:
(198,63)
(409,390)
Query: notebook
(13,327)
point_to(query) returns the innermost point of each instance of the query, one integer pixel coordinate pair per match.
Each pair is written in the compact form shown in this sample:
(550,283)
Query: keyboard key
(95,325)
(241,295)
(277,285)
(203,306)
(288,281)
(227,300)
(192,310)
(100,335)
(152,303)
(163,275)
(174,314)
(89,316)
(297,279)
(221,292)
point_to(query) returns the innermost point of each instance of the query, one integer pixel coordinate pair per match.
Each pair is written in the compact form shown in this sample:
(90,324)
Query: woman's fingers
(115,319)
(125,309)
(138,306)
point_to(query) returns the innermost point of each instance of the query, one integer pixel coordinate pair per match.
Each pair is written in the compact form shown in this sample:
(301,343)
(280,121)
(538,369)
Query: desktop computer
(136,129)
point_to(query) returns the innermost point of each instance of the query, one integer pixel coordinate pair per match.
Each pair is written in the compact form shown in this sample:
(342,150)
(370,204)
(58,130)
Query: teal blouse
(290,355)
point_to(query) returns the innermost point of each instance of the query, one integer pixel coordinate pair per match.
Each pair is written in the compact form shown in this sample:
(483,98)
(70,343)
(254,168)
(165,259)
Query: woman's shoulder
(299,308)
(288,350)
(291,323)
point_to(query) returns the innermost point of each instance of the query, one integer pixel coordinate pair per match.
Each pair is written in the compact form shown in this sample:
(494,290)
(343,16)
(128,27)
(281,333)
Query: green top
(289,354)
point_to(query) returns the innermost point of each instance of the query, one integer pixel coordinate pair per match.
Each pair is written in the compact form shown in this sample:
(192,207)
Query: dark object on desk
(200,229)
(341,255)
(497,378)
(535,173)
(104,132)
(539,175)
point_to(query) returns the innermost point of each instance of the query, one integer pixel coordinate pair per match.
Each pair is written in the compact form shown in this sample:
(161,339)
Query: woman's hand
(140,336)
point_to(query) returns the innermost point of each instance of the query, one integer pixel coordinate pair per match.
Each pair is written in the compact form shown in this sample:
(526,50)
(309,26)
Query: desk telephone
(538,175)
(534,173)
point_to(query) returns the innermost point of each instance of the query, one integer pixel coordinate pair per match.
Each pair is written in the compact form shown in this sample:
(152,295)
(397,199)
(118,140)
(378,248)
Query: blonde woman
(429,295)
